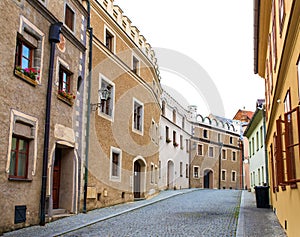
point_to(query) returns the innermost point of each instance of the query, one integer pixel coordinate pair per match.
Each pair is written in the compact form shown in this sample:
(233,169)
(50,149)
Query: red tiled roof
(243,115)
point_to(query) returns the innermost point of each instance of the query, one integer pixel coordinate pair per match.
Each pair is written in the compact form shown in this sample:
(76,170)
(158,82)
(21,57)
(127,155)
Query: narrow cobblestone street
(186,212)
(198,213)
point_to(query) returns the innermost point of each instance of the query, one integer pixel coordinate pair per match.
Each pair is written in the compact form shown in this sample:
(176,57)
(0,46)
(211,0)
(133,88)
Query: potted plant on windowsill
(175,144)
(65,96)
(168,140)
(28,74)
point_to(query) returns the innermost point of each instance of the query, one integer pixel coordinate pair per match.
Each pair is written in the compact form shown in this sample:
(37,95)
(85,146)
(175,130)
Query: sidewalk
(252,221)
(255,221)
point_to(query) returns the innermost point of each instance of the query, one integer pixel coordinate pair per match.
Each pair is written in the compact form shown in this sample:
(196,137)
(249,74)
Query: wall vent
(20,214)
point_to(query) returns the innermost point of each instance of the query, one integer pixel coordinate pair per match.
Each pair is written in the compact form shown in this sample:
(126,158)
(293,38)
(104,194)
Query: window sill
(26,78)
(66,100)
(19,179)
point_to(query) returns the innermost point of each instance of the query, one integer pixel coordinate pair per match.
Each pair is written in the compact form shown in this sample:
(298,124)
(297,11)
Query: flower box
(26,78)
(65,99)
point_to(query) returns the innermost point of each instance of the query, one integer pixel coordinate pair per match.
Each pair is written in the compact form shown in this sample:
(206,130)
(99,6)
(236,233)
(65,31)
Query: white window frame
(207,133)
(118,151)
(37,33)
(140,132)
(32,157)
(106,28)
(74,22)
(233,171)
(181,169)
(100,113)
(198,173)
(234,152)
(224,158)
(152,173)
(222,175)
(138,71)
(201,149)
(211,147)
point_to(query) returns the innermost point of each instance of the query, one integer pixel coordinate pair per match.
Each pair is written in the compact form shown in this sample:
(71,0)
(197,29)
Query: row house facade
(258,165)
(175,134)
(276,54)
(215,153)
(244,116)
(43,63)
(123,157)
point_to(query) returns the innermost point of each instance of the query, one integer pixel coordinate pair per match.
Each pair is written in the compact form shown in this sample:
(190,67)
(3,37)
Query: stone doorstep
(58,214)
(59,211)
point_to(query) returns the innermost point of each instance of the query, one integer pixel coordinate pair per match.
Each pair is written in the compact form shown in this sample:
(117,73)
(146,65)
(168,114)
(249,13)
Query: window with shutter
(278,152)
(292,131)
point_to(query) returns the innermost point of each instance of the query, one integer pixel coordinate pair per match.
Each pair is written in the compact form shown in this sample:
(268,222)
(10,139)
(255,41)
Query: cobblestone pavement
(190,212)
(198,213)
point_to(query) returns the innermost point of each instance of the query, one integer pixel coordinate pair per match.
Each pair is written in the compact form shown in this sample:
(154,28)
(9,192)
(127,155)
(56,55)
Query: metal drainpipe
(53,39)
(88,109)
(265,144)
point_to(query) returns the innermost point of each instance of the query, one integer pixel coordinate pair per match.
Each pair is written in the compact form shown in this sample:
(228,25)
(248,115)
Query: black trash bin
(262,196)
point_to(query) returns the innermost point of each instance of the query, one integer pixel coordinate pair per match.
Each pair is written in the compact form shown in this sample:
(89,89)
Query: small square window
(24,54)
(64,83)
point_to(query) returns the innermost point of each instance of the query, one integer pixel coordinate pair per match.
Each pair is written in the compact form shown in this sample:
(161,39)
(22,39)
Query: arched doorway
(170,175)
(208,179)
(139,172)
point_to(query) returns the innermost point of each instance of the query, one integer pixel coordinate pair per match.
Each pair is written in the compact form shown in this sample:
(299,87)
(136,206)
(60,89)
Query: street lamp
(104,94)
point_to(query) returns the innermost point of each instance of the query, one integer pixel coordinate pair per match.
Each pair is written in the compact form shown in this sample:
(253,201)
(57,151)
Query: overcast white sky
(217,34)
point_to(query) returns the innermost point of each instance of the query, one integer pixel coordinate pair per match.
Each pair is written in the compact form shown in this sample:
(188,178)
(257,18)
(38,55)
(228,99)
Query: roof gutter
(256,4)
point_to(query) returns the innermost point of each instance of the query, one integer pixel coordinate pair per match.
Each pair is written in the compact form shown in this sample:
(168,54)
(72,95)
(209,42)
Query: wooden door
(56,178)
(137,180)
(206,179)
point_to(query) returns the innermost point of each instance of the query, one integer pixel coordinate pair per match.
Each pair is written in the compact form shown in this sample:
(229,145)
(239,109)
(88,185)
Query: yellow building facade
(277,50)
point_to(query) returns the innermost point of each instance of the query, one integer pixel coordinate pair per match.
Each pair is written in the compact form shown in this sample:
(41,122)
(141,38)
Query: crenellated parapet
(132,31)
(219,122)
